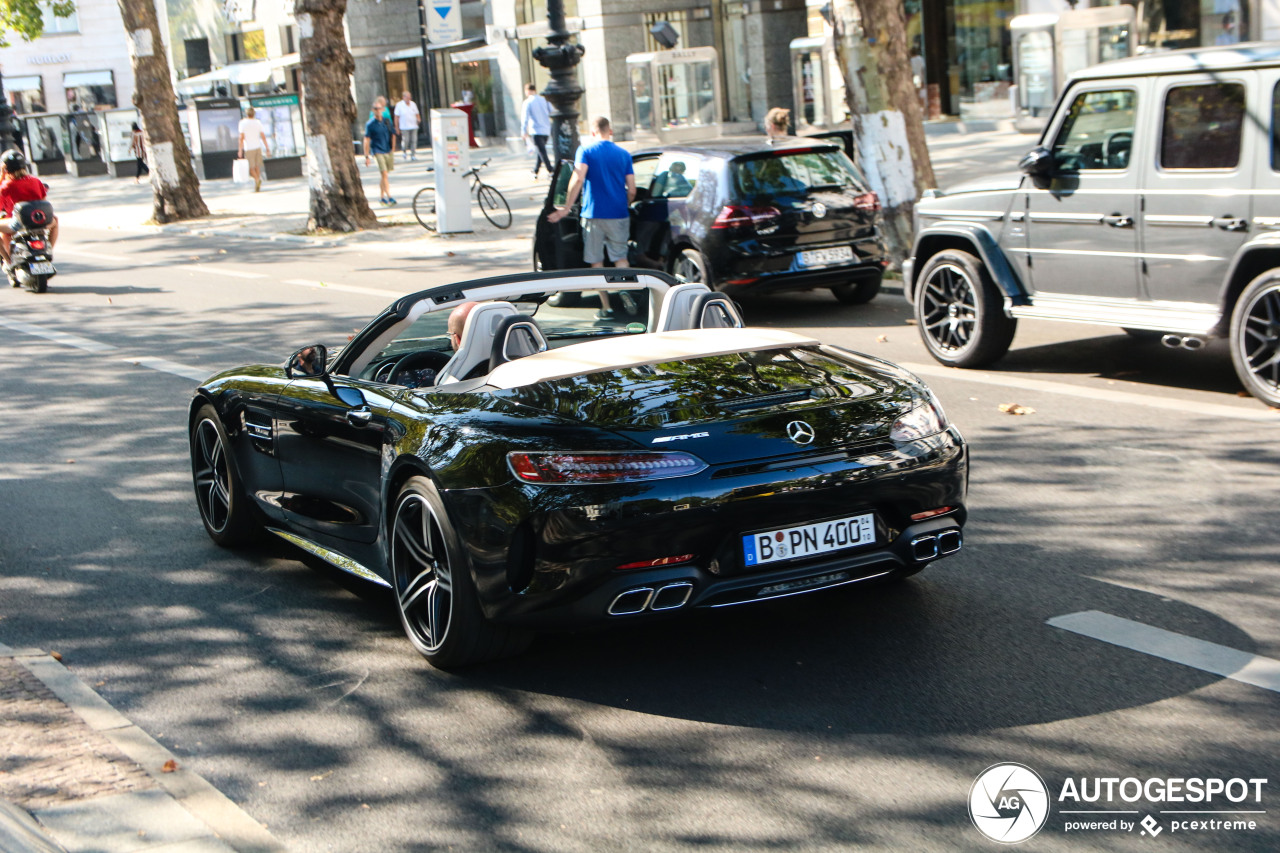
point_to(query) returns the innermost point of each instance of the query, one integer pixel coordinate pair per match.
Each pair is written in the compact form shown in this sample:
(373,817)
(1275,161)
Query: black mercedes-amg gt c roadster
(594,446)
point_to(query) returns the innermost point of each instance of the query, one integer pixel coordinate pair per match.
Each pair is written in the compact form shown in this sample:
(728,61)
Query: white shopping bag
(240,172)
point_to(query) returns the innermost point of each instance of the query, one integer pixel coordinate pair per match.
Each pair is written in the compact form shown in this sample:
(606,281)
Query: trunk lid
(819,196)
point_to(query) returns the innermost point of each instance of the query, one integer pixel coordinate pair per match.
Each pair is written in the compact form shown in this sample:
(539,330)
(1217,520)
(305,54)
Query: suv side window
(1202,125)
(1097,132)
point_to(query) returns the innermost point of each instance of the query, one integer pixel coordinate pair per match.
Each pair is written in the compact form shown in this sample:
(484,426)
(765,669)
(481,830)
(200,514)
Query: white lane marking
(94,256)
(1199,654)
(1260,414)
(65,338)
(220,271)
(186,371)
(346,288)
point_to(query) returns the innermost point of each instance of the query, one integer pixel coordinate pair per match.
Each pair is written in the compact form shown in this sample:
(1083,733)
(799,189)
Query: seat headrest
(477,341)
(676,305)
(514,338)
(714,311)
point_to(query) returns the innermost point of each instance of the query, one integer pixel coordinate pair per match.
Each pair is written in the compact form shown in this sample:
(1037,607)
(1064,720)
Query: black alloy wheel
(228,518)
(691,266)
(960,312)
(434,593)
(424,207)
(1255,338)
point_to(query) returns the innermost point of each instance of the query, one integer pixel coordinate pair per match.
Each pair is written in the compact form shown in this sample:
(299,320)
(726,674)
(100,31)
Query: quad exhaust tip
(934,545)
(1187,342)
(667,597)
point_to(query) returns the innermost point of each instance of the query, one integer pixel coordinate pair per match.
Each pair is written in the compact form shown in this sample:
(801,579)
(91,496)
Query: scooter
(30,256)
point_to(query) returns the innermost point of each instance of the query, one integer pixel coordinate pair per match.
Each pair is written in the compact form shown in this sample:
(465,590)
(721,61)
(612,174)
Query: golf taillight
(763,218)
(580,468)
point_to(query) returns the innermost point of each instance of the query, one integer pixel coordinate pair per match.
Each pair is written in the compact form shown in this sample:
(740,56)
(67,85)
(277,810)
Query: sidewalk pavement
(77,776)
(280,211)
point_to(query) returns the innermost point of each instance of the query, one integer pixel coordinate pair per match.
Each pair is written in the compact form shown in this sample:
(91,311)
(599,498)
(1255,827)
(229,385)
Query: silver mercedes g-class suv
(1152,203)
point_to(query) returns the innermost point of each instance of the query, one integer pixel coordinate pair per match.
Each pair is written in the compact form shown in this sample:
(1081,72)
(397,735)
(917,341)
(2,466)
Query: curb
(201,800)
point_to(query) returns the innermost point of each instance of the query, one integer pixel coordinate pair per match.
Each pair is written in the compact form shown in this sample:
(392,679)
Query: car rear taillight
(36,244)
(581,468)
(661,561)
(868,202)
(763,218)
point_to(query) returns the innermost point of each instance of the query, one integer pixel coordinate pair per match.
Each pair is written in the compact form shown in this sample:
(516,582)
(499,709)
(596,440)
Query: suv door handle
(1116,220)
(360,417)
(1228,223)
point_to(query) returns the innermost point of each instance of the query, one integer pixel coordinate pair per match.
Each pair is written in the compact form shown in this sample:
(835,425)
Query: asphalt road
(1142,486)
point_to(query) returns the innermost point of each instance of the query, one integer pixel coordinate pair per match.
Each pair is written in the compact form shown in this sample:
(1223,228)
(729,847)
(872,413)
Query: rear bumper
(566,574)
(755,282)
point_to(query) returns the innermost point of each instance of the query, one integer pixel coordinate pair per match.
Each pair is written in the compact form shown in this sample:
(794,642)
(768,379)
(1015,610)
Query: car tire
(434,593)
(858,292)
(1255,338)
(960,311)
(692,266)
(228,517)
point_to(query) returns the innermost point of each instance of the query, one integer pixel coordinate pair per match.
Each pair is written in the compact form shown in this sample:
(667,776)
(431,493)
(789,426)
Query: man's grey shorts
(598,233)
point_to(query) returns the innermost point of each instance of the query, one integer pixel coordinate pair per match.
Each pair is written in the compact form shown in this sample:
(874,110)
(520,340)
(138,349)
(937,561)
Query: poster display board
(117,141)
(46,143)
(281,117)
(216,132)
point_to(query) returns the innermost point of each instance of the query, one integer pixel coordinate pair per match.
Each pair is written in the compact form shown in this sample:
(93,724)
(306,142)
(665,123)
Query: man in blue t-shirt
(379,139)
(603,173)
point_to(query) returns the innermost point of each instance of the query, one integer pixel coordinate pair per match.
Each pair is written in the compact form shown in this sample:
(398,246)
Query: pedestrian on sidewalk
(603,172)
(379,142)
(777,124)
(253,142)
(139,147)
(535,125)
(408,120)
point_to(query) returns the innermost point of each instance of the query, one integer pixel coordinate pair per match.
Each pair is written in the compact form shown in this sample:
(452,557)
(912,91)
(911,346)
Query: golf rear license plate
(823,257)
(807,540)
(42,268)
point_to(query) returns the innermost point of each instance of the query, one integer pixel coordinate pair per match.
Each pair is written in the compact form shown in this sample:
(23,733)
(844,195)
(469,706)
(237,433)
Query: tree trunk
(338,202)
(888,118)
(174,186)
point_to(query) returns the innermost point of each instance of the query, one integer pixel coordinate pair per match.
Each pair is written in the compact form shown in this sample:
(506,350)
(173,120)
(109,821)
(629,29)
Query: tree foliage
(26,18)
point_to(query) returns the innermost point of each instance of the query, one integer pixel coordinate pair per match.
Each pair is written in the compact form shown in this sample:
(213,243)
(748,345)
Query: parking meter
(451,153)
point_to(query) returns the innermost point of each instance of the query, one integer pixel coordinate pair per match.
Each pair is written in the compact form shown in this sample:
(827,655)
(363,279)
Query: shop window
(1202,126)
(90,90)
(248,46)
(1097,132)
(58,24)
(26,94)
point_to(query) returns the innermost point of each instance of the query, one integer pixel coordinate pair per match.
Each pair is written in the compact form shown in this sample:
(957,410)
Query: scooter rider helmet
(13,161)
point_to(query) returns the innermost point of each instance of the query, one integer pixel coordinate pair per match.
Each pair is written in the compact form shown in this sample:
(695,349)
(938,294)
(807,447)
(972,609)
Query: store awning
(476,54)
(237,74)
(416,52)
(22,84)
(87,78)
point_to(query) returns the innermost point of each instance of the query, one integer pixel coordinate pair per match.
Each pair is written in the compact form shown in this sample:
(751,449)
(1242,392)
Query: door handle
(360,417)
(1230,223)
(1117,220)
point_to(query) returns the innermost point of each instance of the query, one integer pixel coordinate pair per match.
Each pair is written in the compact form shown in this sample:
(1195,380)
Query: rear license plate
(807,540)
(42,268)
(824,257)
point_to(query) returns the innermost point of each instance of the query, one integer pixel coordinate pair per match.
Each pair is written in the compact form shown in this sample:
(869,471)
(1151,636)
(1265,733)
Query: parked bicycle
(492,204)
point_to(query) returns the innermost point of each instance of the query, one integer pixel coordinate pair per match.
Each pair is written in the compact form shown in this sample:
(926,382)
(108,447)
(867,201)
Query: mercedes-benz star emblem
(800,432)
(819,210)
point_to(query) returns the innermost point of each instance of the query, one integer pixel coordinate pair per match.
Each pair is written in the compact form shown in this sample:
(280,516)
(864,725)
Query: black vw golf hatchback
(742,216)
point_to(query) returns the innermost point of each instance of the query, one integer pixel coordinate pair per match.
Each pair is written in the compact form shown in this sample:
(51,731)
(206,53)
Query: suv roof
(728,148)
(1187,60)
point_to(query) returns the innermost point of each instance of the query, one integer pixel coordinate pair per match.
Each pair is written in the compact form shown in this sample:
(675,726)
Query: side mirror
(310,362)
(1038,163)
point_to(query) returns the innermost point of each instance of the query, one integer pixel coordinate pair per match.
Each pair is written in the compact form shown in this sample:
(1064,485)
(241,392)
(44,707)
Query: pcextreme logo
(1010,803)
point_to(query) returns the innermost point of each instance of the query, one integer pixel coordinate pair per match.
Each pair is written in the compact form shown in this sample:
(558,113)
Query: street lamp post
(428,74)
(561,58)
